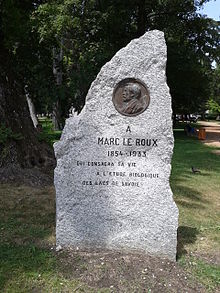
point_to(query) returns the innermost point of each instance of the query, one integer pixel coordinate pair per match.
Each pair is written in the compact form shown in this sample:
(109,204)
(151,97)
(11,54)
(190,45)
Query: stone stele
(113,169)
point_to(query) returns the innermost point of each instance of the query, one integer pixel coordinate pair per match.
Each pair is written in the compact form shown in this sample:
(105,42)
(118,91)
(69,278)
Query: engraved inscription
(111,170)
(131,97)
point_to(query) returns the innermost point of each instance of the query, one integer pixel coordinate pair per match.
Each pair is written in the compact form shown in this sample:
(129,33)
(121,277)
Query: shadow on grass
(184,192)
(185,235)
(189,205)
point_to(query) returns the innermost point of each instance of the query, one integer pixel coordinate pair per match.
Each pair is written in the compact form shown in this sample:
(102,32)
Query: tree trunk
(56,116)
(19,144)
(141,19)
(174,119)
(58,74)
(203,116)
(31,109)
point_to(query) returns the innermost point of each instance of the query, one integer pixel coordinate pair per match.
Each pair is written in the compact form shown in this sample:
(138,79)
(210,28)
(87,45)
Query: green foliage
(89,33)
(214,101)
(76,27)
(213,106)
(216,83)
(14,24)
(92,31)
(30,62)
(7,134)
(190,56)
(48,135)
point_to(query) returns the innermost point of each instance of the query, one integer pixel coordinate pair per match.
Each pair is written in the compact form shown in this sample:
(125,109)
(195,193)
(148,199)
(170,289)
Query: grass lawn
(198,200)
(29,263)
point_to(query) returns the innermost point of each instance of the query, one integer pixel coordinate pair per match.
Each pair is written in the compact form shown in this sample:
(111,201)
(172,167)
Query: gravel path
(212,134)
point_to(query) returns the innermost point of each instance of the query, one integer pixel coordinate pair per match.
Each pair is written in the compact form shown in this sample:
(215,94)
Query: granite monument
(114,158)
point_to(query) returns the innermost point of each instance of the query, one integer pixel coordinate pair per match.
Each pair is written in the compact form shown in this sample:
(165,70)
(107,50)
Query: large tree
(55,48)
(19,144)
(93,31)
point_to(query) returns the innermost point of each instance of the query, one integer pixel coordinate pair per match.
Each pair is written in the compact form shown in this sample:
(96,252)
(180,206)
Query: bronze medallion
(131,97)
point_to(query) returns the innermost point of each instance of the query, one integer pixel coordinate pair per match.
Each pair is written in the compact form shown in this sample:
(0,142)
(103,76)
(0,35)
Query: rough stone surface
(124,203)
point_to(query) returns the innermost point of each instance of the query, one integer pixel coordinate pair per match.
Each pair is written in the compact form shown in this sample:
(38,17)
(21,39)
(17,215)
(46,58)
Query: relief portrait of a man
(131,97)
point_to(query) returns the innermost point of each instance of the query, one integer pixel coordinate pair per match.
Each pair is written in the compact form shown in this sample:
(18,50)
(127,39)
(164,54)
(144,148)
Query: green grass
(27,228)
(197,197)
(27,233)
(31,269)
(207,274)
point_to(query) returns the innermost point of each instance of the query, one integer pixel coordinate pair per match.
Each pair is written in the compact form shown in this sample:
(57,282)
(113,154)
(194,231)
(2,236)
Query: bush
(6,134)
